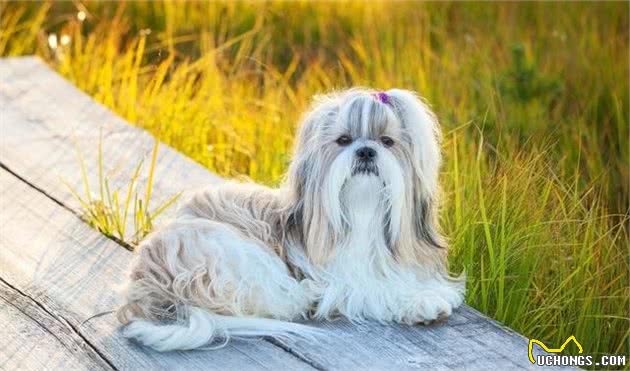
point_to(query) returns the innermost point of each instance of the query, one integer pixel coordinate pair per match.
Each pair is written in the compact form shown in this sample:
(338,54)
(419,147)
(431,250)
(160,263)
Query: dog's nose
(366,153)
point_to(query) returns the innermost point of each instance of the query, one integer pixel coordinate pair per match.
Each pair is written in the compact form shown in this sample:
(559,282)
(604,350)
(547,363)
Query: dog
(351,232)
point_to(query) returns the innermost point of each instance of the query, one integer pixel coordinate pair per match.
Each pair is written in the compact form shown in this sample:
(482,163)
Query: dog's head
(388,142)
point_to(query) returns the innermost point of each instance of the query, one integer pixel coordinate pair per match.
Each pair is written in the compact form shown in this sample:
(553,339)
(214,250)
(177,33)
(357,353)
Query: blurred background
(532,97)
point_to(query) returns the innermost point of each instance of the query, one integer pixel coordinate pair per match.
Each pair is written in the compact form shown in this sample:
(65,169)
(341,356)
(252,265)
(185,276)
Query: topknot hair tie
(381,97)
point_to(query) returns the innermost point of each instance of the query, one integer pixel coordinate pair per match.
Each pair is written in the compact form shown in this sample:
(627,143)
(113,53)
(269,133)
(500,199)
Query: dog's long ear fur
(307,223)
(421,131)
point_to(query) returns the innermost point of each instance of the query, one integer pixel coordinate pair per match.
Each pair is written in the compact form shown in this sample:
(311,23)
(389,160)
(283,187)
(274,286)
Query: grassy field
(532,97)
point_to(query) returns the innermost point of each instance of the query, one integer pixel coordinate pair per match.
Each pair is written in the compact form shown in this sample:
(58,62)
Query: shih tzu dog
(351,232)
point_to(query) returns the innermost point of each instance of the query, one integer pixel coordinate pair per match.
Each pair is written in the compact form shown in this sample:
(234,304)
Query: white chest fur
(359,280)
(363,281)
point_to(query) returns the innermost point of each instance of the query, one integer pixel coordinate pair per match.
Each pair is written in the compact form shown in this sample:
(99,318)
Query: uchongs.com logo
(554,358)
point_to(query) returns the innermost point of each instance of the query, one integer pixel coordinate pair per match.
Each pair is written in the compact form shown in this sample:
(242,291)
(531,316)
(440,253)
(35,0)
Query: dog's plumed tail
(208,330)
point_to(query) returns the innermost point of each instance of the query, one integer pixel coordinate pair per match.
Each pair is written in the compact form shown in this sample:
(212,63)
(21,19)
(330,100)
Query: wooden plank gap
(120,242)
(297,354)
(54,324)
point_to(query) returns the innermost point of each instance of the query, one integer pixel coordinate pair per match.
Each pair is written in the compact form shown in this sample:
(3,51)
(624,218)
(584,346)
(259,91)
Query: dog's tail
(208,330)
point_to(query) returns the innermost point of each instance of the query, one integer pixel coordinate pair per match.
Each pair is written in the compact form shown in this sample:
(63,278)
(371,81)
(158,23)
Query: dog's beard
(374,189)
(365,168)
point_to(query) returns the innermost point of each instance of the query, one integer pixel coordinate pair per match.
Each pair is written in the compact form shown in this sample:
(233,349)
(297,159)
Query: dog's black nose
(366,153)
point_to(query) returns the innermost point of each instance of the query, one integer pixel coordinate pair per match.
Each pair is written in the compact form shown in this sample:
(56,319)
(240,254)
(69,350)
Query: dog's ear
(421,134)
(305,214)
(426,223)
(422,131)
(323,109)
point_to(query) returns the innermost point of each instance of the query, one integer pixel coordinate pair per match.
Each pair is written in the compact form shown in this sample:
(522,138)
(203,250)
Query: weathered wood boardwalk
(56,272)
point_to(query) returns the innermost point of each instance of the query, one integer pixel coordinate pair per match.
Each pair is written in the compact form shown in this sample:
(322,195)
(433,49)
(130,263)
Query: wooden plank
(34,339)
(46,122)
(39,144)
(468,340)
(70,273)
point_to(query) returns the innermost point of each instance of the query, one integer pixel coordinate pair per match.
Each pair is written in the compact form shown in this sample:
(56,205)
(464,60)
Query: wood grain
(35,339)
(468,340)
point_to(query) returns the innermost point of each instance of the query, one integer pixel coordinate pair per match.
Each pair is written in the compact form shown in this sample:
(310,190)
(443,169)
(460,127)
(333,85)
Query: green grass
(533,99)
(109,210)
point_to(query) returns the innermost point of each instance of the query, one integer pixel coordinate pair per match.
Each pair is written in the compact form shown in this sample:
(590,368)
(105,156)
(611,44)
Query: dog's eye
(387,141)
(344,140)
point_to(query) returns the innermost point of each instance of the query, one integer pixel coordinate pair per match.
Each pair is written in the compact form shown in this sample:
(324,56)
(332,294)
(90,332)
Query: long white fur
(204,328)
(241,260)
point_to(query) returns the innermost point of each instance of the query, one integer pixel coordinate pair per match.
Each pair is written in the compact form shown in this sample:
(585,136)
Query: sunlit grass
(533,99)
(125,217)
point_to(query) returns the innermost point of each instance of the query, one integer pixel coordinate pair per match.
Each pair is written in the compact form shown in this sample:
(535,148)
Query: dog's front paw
(428,308)
(435,304)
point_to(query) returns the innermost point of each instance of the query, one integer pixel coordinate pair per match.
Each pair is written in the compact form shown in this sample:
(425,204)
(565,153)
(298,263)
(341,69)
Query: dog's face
(363,139)
(389,143)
